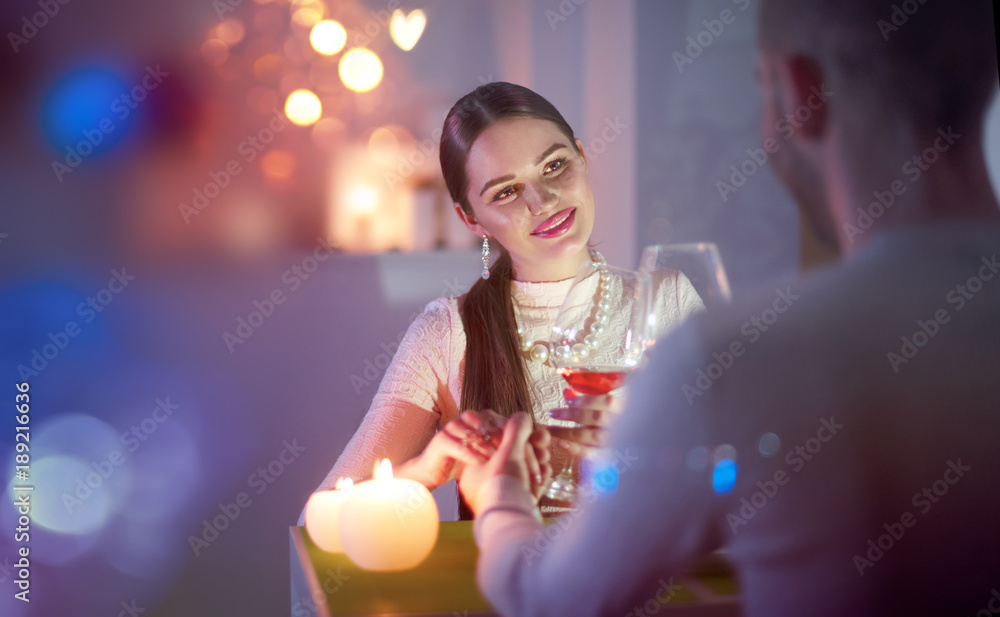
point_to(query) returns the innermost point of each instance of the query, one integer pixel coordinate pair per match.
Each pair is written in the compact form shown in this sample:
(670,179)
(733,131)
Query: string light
(303,107)
(360,69)
(328,37)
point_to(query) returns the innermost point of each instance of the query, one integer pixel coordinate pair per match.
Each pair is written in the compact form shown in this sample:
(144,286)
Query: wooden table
(330,585)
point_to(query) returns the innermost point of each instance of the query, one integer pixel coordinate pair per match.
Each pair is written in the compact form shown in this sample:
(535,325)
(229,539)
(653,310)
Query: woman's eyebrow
(548,151)
(541,157)
(496,181)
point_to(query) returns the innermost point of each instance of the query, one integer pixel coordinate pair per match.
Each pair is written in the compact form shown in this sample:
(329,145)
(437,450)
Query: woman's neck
(561,270)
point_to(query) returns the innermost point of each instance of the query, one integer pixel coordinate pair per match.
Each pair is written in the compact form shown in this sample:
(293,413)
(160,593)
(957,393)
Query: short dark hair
(933,60)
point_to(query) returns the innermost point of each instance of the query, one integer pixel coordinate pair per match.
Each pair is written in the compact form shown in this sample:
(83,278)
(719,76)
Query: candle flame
(383,471)
(344,485)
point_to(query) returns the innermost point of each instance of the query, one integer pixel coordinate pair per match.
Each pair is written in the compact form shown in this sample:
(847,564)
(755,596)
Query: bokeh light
(328,37)
(724,476)
(79,102)
(69,498)
(362,198)
(604,475)
(303,107)
(278,165)
(383,146)
(723,452)
(405,30)
(231,31)
(268,68)
(328,133)
(360,69)
(307,16)
(215,52)
(82,474)
(768,444)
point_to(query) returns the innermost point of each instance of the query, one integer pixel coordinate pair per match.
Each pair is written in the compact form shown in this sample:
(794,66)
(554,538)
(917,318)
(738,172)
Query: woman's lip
(559,229)
(558,216)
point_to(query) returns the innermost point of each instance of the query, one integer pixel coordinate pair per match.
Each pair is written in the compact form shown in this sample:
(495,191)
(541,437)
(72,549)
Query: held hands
(521,453)
(594,414)
(462,441)
(472,439)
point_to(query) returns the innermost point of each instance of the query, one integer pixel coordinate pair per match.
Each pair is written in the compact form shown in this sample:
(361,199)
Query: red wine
(594,380)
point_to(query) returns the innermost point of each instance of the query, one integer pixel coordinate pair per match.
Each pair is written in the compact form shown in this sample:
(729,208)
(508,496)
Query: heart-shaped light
(406,29)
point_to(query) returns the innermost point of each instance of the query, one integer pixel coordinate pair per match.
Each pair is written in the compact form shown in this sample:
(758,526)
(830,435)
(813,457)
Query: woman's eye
(555,165)
(504,194)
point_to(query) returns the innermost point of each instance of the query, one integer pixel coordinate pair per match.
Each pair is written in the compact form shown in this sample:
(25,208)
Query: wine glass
(598,338)
(670,267)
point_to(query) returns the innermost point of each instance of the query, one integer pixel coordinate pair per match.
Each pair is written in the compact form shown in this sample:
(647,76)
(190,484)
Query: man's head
(892,71)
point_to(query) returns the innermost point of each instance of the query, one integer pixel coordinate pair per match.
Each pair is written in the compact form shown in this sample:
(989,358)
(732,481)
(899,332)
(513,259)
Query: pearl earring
(486,257)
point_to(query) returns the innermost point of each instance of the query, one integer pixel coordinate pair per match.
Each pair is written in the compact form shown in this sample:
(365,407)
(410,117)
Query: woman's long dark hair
(495,376)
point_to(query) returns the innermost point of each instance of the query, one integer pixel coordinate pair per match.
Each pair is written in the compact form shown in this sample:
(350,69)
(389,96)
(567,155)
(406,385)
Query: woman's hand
(594,414)
(522,453)
(470,439)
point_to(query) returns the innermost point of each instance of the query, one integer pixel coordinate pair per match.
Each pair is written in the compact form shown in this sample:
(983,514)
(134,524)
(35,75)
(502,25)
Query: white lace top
(421,389)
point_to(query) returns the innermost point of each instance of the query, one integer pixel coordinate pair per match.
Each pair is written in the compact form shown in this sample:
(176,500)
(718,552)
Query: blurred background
(220,216)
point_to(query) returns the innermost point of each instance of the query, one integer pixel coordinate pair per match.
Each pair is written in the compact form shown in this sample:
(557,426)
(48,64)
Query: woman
(517,176)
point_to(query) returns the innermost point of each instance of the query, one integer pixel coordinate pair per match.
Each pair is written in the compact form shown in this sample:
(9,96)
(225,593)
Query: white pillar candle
(323,514)
(388,524)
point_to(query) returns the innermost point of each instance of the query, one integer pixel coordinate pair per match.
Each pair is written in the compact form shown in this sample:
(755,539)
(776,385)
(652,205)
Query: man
(838,436)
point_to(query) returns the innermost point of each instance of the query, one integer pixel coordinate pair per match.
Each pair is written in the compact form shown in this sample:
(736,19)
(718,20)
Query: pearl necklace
(541,351)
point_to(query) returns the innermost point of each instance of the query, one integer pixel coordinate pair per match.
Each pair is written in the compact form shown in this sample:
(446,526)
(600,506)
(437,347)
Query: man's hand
(594,414)
(522,454)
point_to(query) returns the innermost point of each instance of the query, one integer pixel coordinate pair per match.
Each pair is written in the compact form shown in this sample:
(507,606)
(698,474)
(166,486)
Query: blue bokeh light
(79,102)
(724,476)
(603,476)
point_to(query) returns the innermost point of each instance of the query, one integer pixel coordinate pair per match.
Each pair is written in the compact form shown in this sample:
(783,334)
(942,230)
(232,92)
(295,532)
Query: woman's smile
(556,225)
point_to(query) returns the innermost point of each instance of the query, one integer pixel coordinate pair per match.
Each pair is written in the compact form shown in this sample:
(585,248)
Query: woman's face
(528,189)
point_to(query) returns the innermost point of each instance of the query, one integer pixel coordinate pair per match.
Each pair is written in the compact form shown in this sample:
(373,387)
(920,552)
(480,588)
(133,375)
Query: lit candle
(388,524)
(323,513)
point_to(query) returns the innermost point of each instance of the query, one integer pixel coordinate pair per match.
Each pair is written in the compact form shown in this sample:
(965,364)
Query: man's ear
(804,97)
(470,221)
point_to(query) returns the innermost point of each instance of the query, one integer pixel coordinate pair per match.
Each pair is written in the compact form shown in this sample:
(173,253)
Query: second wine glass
(690,277)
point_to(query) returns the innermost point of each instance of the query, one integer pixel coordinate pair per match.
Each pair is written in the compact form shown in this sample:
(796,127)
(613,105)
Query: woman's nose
(540,199)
